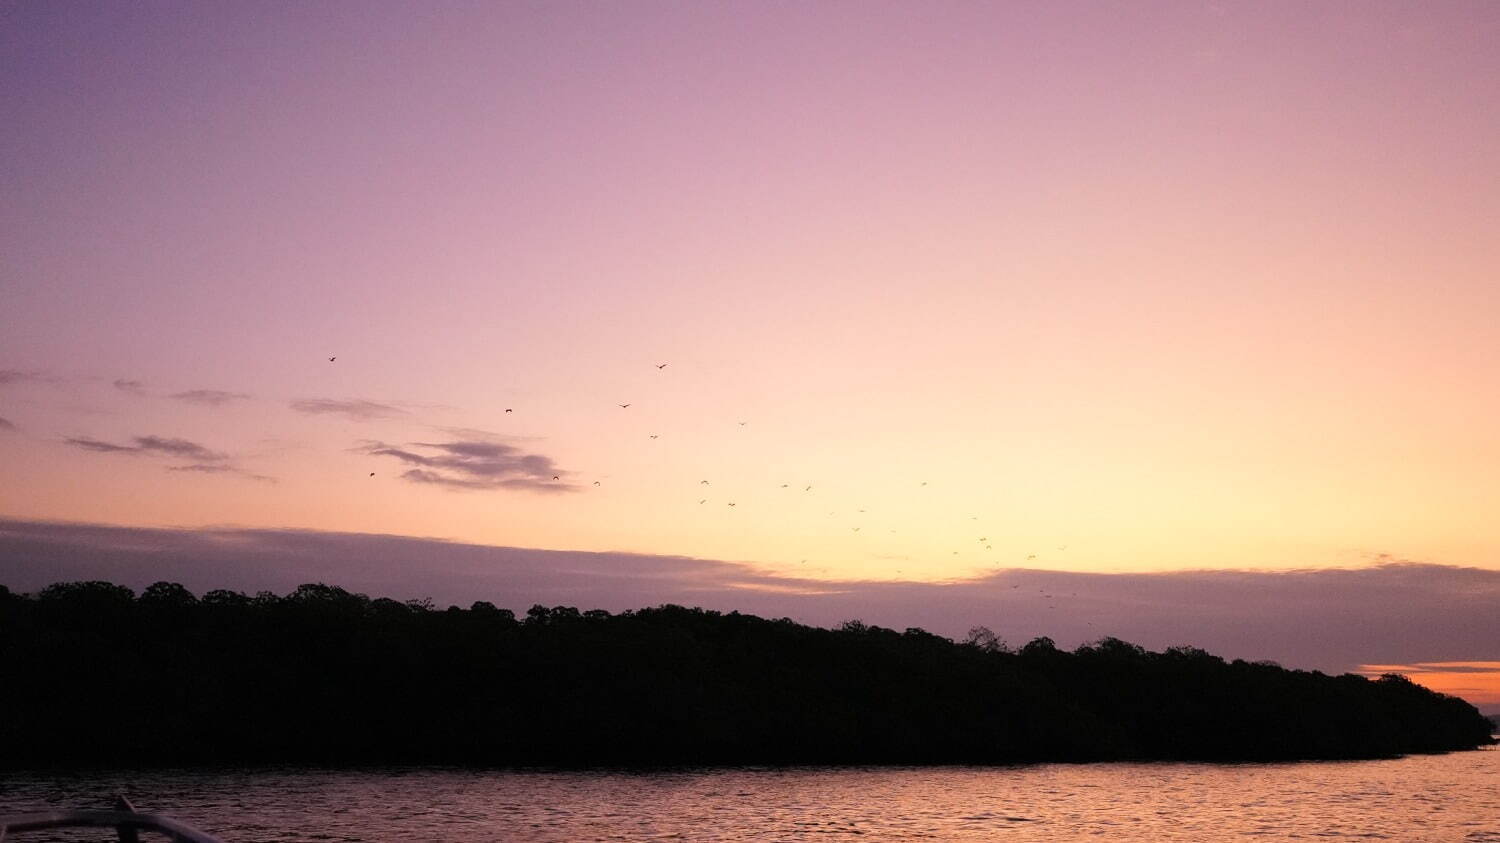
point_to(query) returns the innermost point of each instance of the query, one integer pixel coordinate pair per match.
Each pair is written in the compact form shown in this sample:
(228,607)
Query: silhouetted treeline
(90,673)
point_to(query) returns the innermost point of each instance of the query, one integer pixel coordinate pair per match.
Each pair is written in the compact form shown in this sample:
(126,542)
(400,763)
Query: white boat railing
(125,820)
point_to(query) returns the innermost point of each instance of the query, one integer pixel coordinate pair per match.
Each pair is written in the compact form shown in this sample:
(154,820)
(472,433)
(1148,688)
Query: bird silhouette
(924,482)
(702,482)
(623,406)
(705,500)
(596,482)
(856,529)
(661,365)
(507,409)
(783,485)
(983,539)
(1032,556)
(372,474)
(331,359)
(742,424)
(555,477)
(653,436)
(731,503)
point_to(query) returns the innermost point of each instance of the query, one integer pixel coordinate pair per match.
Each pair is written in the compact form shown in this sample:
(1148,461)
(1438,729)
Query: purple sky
(927,292)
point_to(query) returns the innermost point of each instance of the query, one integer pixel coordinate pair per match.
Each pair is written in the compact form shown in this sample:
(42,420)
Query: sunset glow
(922,291)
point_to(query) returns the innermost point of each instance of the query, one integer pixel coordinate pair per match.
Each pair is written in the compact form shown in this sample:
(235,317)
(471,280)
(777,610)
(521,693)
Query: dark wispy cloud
(88,444)
(357,410)
(209,397)
(20,376)
(154,445)
(7,424)
(199,459)
(221,468)
(1335,620)
(132,387)
(473,464)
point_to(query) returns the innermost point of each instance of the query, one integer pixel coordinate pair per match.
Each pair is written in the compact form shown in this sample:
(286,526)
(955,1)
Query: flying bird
(372,474)
(596,482)
(705,500)
(653,436)
(731,503)
(555,477)
(331,359)
(507,409)
(703,482)
(742,424)
(856,529)
(623,406)
(808,489)
(1032,556)
(924,482)
(661,365)
(783,485)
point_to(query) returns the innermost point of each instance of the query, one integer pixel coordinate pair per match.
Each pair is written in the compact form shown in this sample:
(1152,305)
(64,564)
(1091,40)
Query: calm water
(1448,797)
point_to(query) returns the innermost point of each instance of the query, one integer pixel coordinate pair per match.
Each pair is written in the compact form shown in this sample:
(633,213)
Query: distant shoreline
(100,677)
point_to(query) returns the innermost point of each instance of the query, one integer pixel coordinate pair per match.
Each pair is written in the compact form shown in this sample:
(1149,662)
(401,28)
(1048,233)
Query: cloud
(18,376)
(88,444)
(209,397)
(132,387)
(221,468)
(356,410)
(164,446)
(177,448)
(1335,620)
(7,424)
(201,460)
(474,465)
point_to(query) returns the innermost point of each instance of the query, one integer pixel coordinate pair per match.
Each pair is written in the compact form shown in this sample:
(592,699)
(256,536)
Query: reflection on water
(1449,797)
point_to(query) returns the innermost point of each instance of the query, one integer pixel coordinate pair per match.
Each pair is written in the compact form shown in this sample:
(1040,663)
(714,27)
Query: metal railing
(124,819)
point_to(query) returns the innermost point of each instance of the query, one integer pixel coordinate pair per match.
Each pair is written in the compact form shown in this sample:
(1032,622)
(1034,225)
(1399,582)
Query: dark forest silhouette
(94,674)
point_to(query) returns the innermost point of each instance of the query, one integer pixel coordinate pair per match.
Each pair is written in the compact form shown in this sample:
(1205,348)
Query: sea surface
(1452,797)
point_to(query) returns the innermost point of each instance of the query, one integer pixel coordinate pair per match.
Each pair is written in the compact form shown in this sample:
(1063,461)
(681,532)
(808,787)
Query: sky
(928,292)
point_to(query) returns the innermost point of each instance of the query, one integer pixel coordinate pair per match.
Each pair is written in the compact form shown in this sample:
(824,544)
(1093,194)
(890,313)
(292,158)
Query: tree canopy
(95,674)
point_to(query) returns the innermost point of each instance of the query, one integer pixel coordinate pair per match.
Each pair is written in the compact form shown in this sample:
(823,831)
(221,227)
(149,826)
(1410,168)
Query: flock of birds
(808,488)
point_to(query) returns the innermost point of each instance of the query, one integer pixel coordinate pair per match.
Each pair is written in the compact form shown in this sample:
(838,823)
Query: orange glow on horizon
(1476,681)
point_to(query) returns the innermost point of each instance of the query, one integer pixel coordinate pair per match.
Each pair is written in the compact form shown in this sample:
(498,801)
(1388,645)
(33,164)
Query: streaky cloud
(177,448)
(130,386)
(162,446)
(209,397)
(7,425)
(88,444)
(9,377)
(474,465)
(221,468)
(356,410)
